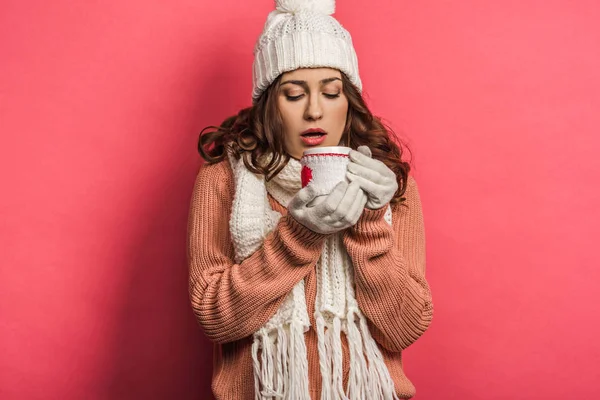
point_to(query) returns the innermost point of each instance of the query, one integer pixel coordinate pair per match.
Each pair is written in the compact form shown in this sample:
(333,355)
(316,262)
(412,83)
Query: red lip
(313,130)
(313,140)
(313,136)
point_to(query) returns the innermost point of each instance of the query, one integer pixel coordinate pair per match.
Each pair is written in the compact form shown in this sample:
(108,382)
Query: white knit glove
(338,210)
(373,176)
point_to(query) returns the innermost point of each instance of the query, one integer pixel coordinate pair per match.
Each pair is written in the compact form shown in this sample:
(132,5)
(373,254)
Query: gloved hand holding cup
(327,202)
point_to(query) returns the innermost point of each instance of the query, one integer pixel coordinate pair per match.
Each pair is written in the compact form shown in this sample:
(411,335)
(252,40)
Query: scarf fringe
(358,378)
(336,347)
(281,370)
(299,363)
(368,375)
(380,381)
(324,348)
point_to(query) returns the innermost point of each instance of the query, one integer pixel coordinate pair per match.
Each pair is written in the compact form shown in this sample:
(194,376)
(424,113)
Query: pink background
(100,107)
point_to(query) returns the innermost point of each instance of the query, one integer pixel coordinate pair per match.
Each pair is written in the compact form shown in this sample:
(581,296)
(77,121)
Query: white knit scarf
(281,369)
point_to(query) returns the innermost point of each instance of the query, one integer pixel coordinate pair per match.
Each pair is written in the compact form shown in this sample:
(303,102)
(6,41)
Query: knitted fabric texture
(302,34)
(278,351)
(325,172)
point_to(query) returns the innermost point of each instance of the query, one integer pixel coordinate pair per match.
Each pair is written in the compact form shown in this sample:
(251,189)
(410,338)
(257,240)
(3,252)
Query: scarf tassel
(358,379)
(380,381)
(281,370)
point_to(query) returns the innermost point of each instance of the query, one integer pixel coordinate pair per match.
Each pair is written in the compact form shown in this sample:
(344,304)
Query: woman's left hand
(373,176)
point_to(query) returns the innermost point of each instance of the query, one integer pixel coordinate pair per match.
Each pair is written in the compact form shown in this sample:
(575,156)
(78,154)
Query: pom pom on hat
(326,7)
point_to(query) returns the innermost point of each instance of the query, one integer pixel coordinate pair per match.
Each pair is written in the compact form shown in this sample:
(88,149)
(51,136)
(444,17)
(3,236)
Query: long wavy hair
(258,130)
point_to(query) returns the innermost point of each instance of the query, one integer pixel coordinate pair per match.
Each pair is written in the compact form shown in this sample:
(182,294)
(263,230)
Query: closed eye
(327,95)
(294,98)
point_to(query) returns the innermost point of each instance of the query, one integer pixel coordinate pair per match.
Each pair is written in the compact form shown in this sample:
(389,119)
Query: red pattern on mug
(306,175)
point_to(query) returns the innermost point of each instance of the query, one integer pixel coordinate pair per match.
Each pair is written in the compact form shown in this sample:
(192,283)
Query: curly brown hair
(258,130)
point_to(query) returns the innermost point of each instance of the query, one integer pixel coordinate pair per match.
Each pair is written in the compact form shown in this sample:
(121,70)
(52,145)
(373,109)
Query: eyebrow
(304,85)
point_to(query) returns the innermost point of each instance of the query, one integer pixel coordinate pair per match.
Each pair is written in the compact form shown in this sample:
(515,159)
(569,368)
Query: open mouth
(313,133)
(313,137)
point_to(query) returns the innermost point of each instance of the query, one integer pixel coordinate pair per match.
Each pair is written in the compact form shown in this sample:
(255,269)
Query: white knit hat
(302,34)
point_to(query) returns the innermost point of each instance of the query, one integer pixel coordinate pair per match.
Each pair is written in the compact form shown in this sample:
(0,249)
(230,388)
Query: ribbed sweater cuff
(303,241)
(369,217)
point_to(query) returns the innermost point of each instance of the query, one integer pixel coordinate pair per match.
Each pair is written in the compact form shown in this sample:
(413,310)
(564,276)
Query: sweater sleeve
(231,301)
(389,263)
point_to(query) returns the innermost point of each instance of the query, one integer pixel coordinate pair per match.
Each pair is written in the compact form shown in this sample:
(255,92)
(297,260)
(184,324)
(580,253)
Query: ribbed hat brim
(303,49)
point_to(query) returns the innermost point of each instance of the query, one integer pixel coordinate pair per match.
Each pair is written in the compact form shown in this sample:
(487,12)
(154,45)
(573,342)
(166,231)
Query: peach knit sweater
(232,301)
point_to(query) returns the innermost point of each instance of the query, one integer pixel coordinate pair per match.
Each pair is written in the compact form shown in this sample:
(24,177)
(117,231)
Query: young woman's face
(313,107)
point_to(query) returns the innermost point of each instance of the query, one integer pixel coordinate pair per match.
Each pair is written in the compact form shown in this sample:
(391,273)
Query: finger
(368,186)
(370,163)
(303,197)
(365,150)
(330,204)
(357,207)
(346,203)
(364,172)
(316,201)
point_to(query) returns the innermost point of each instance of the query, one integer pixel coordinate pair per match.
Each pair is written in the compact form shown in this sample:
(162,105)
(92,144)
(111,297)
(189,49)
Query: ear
(365,150)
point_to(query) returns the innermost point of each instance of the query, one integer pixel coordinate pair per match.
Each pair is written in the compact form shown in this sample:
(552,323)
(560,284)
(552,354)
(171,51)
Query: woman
(306,298)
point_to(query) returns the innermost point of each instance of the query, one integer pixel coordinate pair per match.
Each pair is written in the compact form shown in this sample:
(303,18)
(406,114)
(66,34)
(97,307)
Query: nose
(314,111)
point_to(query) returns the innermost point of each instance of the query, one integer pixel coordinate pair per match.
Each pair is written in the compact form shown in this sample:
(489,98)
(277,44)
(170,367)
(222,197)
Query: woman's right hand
(339,210)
